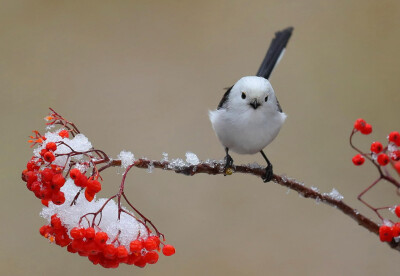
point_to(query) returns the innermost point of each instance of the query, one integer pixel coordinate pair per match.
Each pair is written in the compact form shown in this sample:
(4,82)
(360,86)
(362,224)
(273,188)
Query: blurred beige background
(142,75)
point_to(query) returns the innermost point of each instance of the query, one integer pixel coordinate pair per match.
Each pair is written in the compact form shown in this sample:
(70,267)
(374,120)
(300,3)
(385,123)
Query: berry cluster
(92,185)
(380,156)
(109,254)
(100,229)
(43,178)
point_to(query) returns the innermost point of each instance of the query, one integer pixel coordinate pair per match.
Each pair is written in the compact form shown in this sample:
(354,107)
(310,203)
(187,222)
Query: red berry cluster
(45,179)
(56,232)
(388,232)
(45,182)
(99,250)
(379,154)
(92,185)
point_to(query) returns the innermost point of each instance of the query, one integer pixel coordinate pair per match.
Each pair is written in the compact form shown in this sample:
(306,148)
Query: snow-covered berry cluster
(63,165)
(381,156)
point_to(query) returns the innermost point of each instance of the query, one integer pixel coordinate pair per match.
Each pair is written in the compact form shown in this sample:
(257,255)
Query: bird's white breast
(246,132)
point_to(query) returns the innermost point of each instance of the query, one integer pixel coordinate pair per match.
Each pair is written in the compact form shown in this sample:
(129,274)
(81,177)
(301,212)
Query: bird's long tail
(275,52)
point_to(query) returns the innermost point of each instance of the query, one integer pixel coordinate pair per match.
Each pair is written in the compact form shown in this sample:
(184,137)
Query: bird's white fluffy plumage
(243,128)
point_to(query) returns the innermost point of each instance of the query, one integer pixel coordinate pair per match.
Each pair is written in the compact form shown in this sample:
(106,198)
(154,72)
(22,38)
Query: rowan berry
(64,133)
(359,124)
(397,211)
(376,147)
(385,233)
(75,173)
(383,159)
(101,238)
(81,181)
(151,257)
(43,152)
(366,130)
(45,202)
(49,157)
(93,186)
(397,167)
(58,198)
(89,195)
(47,174)
(56,222)
(77,233)
(136,246)
(51,146)
(90,233)
(110,252)
(168,250)
(141,262)
(150,244)
(58,180)
(396,230)
(394,137)
(122,252)
(358,160)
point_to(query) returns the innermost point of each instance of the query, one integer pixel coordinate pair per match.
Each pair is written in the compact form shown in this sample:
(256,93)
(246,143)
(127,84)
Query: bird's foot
(228,170)
(268,174)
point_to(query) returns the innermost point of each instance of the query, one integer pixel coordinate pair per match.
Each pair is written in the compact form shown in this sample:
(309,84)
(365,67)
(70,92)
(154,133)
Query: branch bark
(214,167)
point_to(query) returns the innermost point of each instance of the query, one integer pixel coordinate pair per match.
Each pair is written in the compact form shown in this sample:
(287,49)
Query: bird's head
(253,93)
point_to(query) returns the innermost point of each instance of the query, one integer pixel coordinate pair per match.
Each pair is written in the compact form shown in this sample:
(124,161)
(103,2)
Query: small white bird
(249,116)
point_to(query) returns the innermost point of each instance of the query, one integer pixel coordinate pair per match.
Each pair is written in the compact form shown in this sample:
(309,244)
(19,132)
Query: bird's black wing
(224,98)
(277,46)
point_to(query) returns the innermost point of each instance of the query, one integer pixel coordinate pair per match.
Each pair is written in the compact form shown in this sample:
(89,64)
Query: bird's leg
(268,170)
(228,161)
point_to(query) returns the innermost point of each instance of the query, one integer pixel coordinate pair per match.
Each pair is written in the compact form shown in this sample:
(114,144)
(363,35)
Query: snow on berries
(381,155)
(64,173)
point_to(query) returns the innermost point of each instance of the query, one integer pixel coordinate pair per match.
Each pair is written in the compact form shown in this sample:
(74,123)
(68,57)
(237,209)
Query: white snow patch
(192,158)
(334,194)
(127,158)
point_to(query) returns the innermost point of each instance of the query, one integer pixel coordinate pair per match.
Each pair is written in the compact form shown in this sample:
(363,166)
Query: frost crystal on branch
(64,172)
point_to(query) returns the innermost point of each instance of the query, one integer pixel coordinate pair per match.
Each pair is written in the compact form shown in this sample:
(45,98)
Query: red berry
(383,159)
(141,262)
(89,195)
(77,233)
(151,257)
(397,211)
(394,137)
(75,174)
(150,244)
(58,198)
(94,186)
(56,222)
(47,174)
(136,246)
(71,249)
(43,152)
(376,147)
(49,157)
(51,146)
(396,230)
(122,252)
(101,237)
(81,181)
(64,133)
(358,160)
(397,167)
(58,180)
(168,250)
(366,130)
(385,233)
(110,251)
(90,233)
(359,124)
(45,202)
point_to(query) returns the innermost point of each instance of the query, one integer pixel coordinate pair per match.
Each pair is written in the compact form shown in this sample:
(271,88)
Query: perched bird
(249,116)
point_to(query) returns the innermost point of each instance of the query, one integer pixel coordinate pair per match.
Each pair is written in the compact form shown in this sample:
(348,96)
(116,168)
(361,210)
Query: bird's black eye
(243,95)
(266,98)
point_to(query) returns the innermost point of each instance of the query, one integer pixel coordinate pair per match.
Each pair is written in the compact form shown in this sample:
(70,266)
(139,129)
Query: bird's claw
(228,165)
(268,174)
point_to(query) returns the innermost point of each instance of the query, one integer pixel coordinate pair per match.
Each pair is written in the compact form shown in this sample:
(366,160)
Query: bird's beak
(255,104)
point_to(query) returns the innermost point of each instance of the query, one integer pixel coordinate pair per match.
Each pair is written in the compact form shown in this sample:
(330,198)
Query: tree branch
(215,167)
